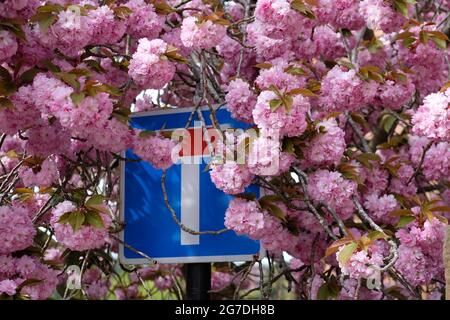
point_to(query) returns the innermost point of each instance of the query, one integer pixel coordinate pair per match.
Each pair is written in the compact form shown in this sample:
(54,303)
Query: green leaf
(438,34)
(93,87)
(334,247)
(247,196)
(162,7)
(122,12)
(74,218)
(346,63)
(264,65)
(122,115)
(399,77)
(358,118)
(288,103)
(64,218)
(442,44)
(96,203)
(288,146)
(266,203)
(44,24)
(323,293)
(51,66)
(7,85)
(347,252)
(80,72)
(173,55)
(408,42)
(346,32)
(274,89)
(28,282)
(94,219)
(94,65)
(68,78)
(6,103)
(404,35)
(441,209)
(442,219)
(372,156)
(329,289)
(401,212)
(396,292)
(304,92)
(365,159)
(7,88)
(28,76)
(95,200)
(423,36)
(269,198)
(376,235)
(405,220)
(50,7)
(296,71)
(393,142)
(14,26)
(275,104)
(401,6)
(276,212)
(387,122)
(5,75)
(302,8)
(77,97)
(45,19)
(373,45)
(147,133)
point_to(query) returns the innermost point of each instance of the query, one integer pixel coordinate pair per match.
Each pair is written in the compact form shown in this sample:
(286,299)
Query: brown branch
(422,159)
(278,276)
(358,133)
(142,254)
(303,183)
(174,215)
(393,252)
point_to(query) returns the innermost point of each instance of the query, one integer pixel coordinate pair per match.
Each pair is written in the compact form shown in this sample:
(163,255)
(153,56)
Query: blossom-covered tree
(349,99)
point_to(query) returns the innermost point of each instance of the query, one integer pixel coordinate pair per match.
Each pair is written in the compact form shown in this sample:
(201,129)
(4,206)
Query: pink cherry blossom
(156,150)
(8,45)
(16,229)
(231,177)
(87,237)
(432,119)
(328,146)
(240,100)
(344,90)
(201,34)
(147,67)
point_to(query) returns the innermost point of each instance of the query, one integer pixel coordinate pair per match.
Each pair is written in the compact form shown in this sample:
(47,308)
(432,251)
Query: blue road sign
(149,225)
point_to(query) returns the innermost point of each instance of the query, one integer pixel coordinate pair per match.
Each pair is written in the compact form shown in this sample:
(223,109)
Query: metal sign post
(198,281)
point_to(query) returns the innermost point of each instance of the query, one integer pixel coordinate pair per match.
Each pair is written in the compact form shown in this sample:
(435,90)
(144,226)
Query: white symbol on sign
(190,198)
(194,150)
